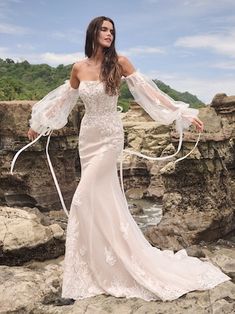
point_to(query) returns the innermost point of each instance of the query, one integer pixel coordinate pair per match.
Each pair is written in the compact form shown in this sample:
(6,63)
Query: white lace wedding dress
(106,252)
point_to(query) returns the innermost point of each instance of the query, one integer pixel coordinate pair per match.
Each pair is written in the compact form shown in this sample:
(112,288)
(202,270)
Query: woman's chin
(106,44)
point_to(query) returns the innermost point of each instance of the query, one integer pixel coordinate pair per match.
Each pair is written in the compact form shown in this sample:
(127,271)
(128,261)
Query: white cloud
(50,58)
(200,3)
(204,88)
(222,43)
(151,1)
(13,29)
(3,52)
(25,46)
(73,36)
(229,65)
(142,50)
(55,59)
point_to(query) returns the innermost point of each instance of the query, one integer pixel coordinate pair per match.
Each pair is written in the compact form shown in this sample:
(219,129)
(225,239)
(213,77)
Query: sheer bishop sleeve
(48,114)
(52,111)
(161,108)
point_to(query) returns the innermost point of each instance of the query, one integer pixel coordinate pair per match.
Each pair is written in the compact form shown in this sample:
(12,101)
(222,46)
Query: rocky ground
(31,272)
(197,195)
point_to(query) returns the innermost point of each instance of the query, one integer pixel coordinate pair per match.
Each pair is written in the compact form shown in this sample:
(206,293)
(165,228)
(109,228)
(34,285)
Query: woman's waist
(108,117)
(109,121)
(97,113)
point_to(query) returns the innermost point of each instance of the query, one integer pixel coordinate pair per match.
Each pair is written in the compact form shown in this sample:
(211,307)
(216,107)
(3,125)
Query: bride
(106,252)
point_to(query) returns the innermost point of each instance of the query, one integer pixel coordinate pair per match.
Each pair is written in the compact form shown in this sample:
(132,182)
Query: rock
(223,104)
(135,209)
(179,230)
(198,192)
(36,288)
(136,113)
(25,234)
(135,193)
(151,139)
(32,184)
(22,288)
(224,257)
(198,200)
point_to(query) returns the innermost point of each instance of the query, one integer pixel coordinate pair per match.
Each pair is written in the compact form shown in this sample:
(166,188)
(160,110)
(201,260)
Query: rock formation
(35,241)
(32,184)
(197,194)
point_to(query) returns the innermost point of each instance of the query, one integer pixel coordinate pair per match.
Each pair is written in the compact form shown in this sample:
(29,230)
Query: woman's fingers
(198,123)
(32,134)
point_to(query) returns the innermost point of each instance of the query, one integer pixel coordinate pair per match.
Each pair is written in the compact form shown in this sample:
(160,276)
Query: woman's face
(105,37)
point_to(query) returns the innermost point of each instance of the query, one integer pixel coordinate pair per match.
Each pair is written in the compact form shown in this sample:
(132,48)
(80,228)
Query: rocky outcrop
(200,188)
(197,196)
(198,192)
(32,184)
(36,288)
(145,135)
(224,105)
(27,234)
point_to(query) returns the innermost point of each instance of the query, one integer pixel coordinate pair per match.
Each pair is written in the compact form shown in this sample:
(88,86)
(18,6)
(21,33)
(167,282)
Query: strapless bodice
(95,99)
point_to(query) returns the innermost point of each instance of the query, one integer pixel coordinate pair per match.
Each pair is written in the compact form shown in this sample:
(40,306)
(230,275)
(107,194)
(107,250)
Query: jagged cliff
(197,196)
(32,184)
(198,192)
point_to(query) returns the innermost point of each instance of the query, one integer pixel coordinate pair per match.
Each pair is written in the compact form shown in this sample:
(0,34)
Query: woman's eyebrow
(105,27)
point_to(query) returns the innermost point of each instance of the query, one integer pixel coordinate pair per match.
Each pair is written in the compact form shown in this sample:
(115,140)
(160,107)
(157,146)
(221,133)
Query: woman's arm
(145,91)
(52,111)
(126,65)
(74,81)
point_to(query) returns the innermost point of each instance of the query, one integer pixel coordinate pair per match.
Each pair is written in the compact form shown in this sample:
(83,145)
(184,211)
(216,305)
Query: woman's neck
(98,57)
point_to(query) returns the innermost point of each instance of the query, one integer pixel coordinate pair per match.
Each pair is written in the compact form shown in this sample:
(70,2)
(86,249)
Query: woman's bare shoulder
(127,67)
(79,64)
(77,68)
(123,60)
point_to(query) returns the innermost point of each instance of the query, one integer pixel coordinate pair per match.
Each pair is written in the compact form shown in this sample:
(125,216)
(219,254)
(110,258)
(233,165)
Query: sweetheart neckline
(96,81)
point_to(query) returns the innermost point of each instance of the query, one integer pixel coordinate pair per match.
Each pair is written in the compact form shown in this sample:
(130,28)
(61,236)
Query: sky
(187,44)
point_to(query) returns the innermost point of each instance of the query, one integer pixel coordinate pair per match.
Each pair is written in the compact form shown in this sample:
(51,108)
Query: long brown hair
(110,69)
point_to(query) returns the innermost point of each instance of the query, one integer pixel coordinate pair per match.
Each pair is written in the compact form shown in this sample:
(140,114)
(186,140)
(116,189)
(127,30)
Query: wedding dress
(106,252)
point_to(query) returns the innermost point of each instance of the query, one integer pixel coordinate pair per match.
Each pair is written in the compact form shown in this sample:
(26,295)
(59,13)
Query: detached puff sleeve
(52,111)
(157,104)
(161,108)
(48,114)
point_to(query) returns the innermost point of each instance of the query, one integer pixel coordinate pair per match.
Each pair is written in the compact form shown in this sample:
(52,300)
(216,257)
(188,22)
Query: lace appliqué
(76,199)
(209,277)
(78,281)
(110,258)
(101,113)
(82,250)
(121,288)
(124,229)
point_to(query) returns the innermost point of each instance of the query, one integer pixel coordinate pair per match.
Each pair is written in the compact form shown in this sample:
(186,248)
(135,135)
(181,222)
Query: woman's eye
(103,29)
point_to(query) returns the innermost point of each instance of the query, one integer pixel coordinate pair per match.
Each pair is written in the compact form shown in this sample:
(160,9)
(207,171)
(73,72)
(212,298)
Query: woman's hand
(32,134)
(198,124)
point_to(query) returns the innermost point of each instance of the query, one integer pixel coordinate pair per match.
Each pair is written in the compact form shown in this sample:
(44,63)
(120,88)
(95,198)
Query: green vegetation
(185,97)
(22,80)
(25,81)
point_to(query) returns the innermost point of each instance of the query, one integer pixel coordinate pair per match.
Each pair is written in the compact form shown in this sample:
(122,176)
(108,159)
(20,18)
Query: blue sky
(187,44)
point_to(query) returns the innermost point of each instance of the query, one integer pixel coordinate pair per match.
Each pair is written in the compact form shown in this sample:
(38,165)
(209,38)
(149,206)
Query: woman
(106,253)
